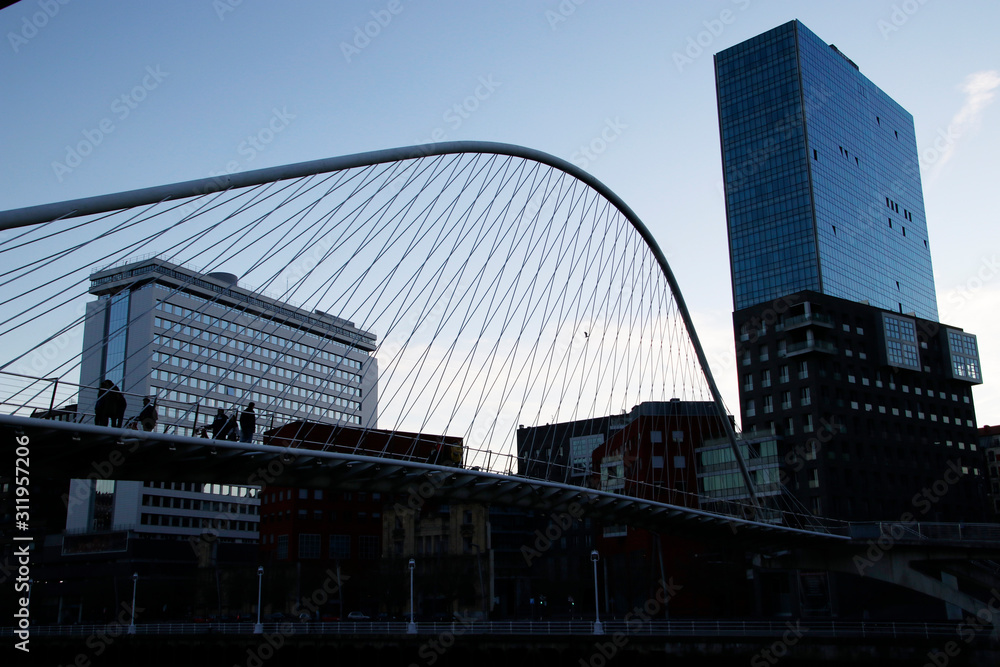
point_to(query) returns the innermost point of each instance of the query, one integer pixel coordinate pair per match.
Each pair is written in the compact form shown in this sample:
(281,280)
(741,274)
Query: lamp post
(598,628)
(135,582)
(259,629)
(411,627)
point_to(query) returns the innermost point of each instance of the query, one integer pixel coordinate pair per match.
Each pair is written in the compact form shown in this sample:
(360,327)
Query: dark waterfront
(445,651)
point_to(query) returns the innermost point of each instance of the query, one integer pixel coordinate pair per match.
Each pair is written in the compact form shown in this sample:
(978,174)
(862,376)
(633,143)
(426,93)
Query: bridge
(459,289)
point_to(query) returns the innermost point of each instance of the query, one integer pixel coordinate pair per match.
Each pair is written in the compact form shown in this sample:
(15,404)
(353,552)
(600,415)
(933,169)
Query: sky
(106,96)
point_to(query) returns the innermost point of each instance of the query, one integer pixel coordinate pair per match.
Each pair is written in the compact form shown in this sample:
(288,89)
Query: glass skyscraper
(841,357)
(822,182)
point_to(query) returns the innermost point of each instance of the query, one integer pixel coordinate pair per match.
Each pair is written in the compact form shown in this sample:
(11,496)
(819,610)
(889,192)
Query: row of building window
(369,546)
(174,502)
(218,340)
(202,385)
(204,318)
(235,490)
(205,523)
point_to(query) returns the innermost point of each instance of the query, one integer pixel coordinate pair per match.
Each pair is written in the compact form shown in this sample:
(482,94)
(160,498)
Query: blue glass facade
(822,182)
(116,332)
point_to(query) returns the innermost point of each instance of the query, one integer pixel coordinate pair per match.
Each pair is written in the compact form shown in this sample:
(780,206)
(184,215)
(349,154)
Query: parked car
(279,617)
(358,616)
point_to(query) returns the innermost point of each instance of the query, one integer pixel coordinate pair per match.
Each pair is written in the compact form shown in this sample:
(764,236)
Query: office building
(198,343)
(822,181)
(840,353)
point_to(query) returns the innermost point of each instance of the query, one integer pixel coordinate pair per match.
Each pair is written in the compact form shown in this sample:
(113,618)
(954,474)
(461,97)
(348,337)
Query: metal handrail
(668,628)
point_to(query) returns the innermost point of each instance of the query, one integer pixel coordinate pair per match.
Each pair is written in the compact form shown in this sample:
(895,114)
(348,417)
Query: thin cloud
(980,89)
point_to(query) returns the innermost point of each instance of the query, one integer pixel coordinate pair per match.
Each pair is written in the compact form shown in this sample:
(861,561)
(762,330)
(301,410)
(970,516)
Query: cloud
(980,89)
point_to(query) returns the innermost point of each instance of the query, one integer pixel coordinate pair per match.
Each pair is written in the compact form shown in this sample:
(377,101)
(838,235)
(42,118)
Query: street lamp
(259,629)
(411,628)
(135,582)
(598,628)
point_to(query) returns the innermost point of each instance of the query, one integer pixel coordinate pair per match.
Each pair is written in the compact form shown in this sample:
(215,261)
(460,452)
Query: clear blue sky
(199,78)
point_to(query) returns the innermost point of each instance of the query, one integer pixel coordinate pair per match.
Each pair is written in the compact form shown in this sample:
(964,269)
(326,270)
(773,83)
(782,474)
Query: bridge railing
(46,398)
(49,398)
(681,628)
(926,531)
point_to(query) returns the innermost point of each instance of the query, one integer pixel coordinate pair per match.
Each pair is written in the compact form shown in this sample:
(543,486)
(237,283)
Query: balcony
(807,346)
(807,319)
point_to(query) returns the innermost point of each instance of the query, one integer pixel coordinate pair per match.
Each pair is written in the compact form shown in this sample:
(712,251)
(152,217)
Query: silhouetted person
(232,429)
(104,408)
(219,425)
(248,424)
(148,416)
(110,405)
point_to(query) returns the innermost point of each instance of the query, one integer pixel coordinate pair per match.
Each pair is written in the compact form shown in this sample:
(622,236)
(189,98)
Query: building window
(340,547)
(768,405)
(751,408)
(901,342)
(765,378)
(282,547)
(748,382)
(803,370)
(783,377)
(309,545)
(964,356)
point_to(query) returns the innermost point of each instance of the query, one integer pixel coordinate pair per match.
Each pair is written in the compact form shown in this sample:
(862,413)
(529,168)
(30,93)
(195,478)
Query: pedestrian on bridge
(148,417)
(219,425)
(110,406)
(248,424)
